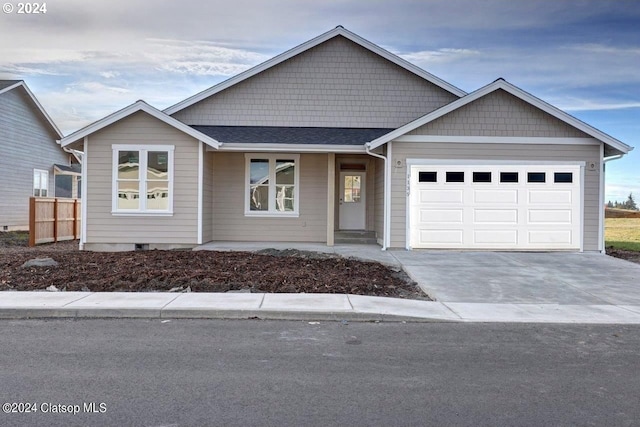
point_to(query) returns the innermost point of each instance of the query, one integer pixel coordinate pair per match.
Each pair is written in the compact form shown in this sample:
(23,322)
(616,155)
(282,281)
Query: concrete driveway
(524,277)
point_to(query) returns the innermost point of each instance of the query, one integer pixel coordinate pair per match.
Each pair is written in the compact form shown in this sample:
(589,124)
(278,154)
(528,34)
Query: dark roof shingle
(291,135)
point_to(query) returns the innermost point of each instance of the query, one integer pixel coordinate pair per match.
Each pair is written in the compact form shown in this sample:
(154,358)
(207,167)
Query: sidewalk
(310,307)
(468,287)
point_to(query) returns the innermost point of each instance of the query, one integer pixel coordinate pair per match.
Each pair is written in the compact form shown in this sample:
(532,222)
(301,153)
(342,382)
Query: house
(339,134)
(32,163)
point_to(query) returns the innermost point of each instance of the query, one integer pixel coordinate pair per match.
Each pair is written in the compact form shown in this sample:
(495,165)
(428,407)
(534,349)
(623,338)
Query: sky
(86,59)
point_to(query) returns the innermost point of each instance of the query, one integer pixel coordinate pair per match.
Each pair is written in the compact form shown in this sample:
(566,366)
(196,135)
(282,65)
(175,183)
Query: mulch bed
(200,271)
(632,256)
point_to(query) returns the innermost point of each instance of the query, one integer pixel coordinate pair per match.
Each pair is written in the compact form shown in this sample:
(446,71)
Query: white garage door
(496,206)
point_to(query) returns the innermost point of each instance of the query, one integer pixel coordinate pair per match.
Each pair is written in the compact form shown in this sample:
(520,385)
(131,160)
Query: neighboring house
(32,162)
(339,134)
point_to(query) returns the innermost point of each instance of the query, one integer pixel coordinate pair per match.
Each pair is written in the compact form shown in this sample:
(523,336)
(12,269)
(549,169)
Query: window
(352,187)
(271,185)
(509,177)
(455,176)
(143,179)
(563,177)
(40,183)
(427,176)
(64,185)
(482,177)
(536,177)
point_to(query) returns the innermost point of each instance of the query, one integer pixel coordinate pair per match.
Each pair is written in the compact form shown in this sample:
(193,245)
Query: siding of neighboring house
(103,228)
(528,152)
(499,114)
(207,199)
(230,223)
(335,84)
(27,142)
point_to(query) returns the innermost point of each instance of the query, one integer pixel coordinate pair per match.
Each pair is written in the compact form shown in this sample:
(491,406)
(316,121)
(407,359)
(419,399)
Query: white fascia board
(304,47)
(37,104)
(298,148)
(13,86)
(486,162)
(131,109)
(497,140)
(513,90)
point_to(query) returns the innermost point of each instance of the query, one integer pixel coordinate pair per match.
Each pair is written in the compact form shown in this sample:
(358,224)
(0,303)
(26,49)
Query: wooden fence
(53,220)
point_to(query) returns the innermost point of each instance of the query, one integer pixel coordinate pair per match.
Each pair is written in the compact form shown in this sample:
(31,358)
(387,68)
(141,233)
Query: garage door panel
(495,216)
(550,237)
(495,237)
(492,214)
(550,197)
(495,196)
(441,216)
(429,237)
(546,216)
(441,196)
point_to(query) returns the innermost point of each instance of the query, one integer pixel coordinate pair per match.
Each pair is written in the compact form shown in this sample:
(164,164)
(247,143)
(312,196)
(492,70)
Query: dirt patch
(632,256)
(201,271)
(620,213)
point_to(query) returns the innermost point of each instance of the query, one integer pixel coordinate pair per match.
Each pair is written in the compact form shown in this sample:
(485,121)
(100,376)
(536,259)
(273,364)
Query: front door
(352,201)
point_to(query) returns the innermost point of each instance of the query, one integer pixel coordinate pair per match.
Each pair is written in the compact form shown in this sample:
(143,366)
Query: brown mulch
(632,256)
(200,271)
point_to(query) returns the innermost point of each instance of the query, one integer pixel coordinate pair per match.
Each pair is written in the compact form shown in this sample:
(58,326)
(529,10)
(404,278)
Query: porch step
(355,237)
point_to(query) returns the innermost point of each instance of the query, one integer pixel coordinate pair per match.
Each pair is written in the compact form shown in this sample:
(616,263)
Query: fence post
(32,221)
(55,219)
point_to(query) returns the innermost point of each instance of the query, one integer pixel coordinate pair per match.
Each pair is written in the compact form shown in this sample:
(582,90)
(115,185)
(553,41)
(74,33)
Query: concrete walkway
(467,287)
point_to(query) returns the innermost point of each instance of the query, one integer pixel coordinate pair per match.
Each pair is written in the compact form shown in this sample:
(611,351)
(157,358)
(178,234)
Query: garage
(497,205)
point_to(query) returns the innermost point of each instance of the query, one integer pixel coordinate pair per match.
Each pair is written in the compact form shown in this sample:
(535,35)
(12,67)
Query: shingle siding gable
(335,84)
(499,114)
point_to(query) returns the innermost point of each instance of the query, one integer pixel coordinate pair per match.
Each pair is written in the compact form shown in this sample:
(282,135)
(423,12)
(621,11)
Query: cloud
(444,55)
(574,104)
(109,74)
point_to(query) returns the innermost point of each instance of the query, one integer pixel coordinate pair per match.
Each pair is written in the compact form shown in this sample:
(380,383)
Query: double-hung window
(40,183)
(143,179)
(272,185)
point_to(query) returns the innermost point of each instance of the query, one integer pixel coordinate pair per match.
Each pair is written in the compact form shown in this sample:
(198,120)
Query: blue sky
(84,60)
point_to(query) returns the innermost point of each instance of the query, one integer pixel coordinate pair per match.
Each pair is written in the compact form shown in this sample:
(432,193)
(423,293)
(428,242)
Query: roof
(338,31)
(515,91)
(7,85)
(75,168)
(291,135)
(129,110)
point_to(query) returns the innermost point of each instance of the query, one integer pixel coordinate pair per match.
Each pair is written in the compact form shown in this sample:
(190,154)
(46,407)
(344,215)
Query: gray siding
(499,114)
(105,228)
(230,223)
(335,84)
(528,152)
(27,142)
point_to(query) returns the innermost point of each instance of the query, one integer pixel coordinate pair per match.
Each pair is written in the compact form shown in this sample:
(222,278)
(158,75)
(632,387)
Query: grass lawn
(622,233)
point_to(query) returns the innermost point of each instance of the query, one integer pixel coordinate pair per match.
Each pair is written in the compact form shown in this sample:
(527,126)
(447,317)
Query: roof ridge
(303,47)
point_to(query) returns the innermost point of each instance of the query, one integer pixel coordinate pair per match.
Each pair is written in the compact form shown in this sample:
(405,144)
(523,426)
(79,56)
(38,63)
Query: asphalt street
(293,373)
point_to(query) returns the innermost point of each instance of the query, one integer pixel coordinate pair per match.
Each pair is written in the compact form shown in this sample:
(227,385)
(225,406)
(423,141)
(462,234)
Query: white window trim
(142,211)
(272,183)
(41,172)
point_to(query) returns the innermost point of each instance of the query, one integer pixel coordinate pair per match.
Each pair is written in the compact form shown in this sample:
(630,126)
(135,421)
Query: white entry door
(352,201)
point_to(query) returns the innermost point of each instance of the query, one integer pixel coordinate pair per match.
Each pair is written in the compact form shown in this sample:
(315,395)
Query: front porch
(334,198)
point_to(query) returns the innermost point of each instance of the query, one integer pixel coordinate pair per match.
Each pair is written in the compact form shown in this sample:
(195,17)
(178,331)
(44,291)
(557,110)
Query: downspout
(387,196)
